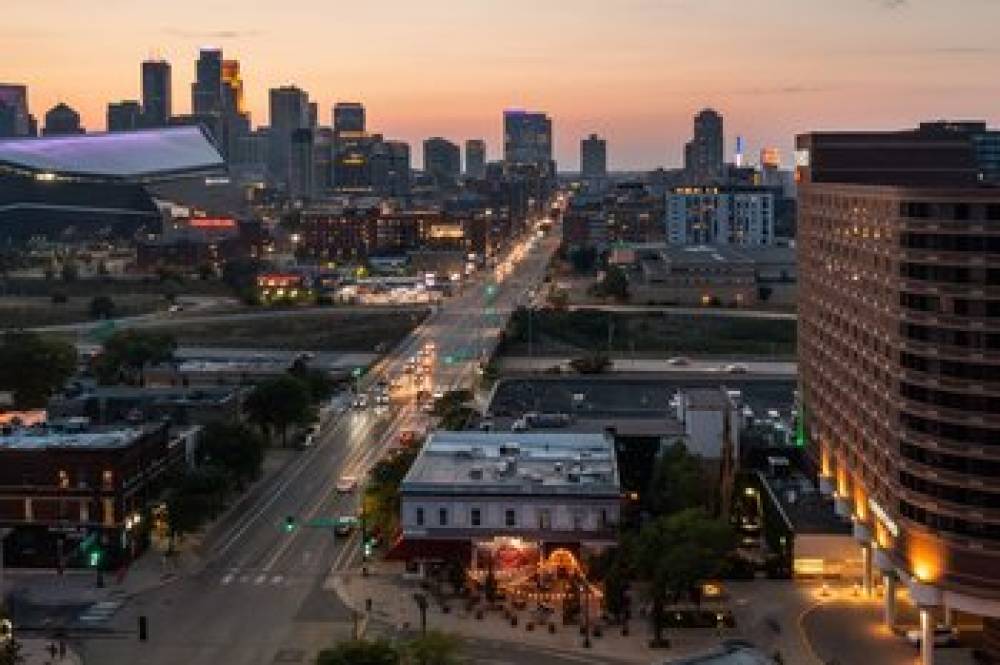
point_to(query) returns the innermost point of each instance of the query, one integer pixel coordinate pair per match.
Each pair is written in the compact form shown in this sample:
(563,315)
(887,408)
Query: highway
(262,595)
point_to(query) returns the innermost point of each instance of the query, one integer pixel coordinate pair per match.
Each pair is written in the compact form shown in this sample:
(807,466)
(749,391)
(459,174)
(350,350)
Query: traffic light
(290,524)
(369,547)
(92,550)
(357,372)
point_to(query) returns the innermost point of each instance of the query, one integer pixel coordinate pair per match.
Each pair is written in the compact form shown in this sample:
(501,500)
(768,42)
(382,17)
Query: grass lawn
(28,312)
(652,333)
(328,331)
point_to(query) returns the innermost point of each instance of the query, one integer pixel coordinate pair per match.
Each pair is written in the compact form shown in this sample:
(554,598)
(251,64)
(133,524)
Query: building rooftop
(48,438)
(527,463)
(804,507)
(148,153)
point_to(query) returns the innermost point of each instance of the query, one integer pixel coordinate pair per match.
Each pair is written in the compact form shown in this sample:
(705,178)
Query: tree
(70,272)
(676,553)
(233,447)
(317,381)
(279,403)
(583,259)
(132,351)
(359,652)
(33,367)
(382,500)
(434,648)
(592,363)
(678,482)
(196,497)
(615,283)
(241,274)
(101,307)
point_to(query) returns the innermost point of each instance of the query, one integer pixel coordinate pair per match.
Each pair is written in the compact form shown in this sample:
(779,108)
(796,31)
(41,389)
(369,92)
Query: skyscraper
(527,137)
(14,117)
(124,116)
(349,117)
(593,157)
(703,155)
(62,119)
(206,91)
(301,173)
(289,112)
(899,350)
(442,161)
(475,158)
(156,94)
(235,117)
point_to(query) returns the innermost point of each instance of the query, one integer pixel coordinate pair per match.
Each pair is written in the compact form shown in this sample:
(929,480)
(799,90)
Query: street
(260,594)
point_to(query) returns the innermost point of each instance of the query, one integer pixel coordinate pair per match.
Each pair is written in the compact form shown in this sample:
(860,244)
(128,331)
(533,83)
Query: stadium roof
(139,155)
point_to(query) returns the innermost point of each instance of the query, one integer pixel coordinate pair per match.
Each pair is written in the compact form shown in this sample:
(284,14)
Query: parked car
(943,636)
(344,525)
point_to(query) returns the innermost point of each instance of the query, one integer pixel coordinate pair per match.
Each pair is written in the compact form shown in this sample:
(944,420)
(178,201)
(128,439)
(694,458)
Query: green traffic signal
(95,558)
(289,524)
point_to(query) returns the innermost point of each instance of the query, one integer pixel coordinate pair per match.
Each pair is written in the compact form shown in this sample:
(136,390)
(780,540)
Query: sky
(634,71)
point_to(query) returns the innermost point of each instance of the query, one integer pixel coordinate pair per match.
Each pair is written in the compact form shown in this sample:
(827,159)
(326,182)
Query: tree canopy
(129,352)
(678,482)
(359,652)
(33,367)
(279,403)
(235,448)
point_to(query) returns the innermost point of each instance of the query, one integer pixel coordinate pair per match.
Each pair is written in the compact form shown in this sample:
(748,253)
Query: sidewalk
(393,607)
(38,652)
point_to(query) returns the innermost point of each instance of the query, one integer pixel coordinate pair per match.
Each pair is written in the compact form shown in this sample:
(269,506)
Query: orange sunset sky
(632,70)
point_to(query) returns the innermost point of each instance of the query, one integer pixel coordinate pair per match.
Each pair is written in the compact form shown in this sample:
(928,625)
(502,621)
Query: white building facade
(741,216)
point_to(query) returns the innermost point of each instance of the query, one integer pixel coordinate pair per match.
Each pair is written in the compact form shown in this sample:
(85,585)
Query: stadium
(80,187)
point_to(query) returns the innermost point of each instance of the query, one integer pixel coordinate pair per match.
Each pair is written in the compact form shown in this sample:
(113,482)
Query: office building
(475,159)
(235,117)
(742,216)
(703,155)
(527,137)
(442,161)
(479,495)
(62,119)
(349,117)
(156,93)
(206,91)
(301,174)
(124,116)
(593,158)
(899,350)
(390,168)
(289,112)
(15,120)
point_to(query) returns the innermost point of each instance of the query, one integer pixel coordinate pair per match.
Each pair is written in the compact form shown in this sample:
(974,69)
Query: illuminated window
(63,479)
(107,479)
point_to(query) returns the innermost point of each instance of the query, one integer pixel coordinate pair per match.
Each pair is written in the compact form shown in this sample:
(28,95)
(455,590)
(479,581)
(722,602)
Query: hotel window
(107,480)
(510,518)
(544,518)
(443,517)
(63,479)
(475,517)
(420,516)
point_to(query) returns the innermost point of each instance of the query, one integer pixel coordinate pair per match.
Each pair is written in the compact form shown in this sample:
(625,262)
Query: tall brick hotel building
(899,350)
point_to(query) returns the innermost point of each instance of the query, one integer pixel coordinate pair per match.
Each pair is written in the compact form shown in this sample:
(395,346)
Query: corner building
(899,351)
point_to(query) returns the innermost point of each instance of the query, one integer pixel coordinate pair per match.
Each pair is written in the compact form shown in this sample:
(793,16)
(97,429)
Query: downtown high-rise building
(527,137)
(349,117)
(15,119)
(124,116)
(475,158)
(704,153)
(156,93)
(442,161)
(899,357)
(206,91)
(289,107)
(61,120)
(593,157)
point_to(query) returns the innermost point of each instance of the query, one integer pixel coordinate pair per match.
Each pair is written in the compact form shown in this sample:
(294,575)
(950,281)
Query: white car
(736,368)
(943,636)
(361,401)
(678,361)
(347,484)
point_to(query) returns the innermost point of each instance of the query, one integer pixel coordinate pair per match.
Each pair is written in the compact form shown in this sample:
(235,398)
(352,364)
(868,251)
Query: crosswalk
(251,578)
(100,612)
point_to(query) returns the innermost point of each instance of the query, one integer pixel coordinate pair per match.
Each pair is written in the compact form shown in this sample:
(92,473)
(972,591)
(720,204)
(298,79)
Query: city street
(259,595)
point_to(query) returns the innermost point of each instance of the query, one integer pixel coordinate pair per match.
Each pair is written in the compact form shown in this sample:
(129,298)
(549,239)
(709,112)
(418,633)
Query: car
(173,309)
(679,361)
(344,525)
(347,484)
(382,399)
(361,401)
(736,368)
(944,636)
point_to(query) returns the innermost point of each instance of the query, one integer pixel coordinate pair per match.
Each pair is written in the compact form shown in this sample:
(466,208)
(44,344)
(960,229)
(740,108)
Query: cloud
(211,34)
(893,4)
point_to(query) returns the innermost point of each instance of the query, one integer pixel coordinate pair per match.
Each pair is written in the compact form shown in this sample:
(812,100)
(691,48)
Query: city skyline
(776,76)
